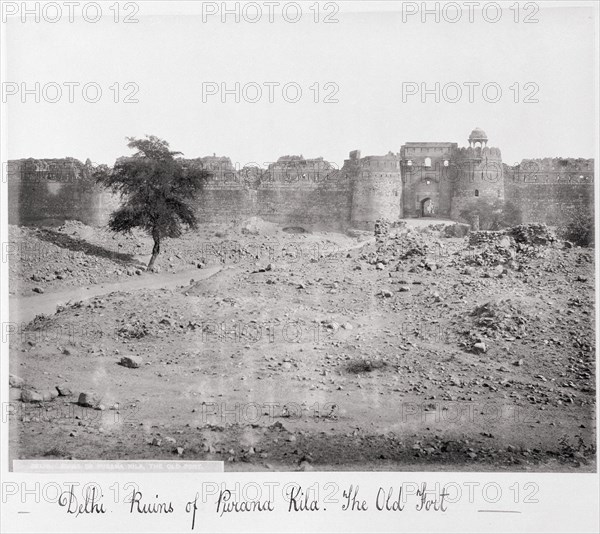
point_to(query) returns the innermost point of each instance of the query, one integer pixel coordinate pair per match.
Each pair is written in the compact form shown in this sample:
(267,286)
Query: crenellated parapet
(297,169)
(561,164)
(475,153)
(551,171)
(60,170)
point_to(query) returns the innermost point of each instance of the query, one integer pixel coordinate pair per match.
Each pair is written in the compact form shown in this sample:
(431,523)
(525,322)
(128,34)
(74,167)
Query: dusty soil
(411,351)
(74,255)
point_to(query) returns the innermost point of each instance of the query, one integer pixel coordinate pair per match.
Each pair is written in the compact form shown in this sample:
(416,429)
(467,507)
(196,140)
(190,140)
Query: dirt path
(24,309)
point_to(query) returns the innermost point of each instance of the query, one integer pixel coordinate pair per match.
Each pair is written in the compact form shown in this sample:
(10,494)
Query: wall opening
(427,207)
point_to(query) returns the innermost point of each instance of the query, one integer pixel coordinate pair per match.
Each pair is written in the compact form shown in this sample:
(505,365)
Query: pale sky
(369,54)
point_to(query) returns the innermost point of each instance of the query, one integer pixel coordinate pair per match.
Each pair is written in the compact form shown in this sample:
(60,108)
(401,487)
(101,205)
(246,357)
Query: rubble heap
(533,234)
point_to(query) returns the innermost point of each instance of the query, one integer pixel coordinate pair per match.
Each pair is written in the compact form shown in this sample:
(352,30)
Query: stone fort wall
(311,193)
(551,190)
(45,192)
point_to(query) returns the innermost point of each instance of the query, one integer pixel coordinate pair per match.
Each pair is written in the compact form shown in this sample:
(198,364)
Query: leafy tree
(157,190)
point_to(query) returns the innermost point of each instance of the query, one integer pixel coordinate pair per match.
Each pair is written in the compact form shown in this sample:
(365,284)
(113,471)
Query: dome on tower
(478,135)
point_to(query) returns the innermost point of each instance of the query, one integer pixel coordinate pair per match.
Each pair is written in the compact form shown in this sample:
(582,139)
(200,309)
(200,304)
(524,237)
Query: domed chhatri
(478,136)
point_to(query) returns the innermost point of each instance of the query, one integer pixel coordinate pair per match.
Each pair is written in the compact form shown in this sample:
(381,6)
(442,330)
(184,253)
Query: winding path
(24,309)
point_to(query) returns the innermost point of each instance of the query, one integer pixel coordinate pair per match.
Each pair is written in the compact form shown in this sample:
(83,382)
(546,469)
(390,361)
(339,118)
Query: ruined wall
(52,191)
(314,197)
(551,190)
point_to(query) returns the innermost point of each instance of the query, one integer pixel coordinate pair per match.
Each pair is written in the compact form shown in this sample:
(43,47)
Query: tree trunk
(155,250)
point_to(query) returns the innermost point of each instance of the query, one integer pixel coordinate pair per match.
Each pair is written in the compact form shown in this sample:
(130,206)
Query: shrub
(492,215)
(579,230)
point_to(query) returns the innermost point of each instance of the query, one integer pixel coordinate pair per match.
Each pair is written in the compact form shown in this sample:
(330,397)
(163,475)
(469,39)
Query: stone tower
(376,187)
(478,173)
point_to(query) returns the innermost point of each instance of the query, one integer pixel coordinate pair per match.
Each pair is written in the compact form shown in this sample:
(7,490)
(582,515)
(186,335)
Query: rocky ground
(72,255)
(412,350)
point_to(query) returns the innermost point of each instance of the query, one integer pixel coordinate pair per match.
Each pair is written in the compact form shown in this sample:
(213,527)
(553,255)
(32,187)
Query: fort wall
(46,192)
(551,190)
(315,195)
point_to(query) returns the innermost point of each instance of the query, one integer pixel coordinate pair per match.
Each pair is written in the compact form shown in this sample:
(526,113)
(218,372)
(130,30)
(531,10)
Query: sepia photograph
(285,237)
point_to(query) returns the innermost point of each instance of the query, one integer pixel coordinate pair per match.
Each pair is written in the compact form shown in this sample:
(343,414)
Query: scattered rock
(28,395)
(64,391)
(15,381)
(88,399)
(133,362)
(479,347)
(50,395)
(305,466)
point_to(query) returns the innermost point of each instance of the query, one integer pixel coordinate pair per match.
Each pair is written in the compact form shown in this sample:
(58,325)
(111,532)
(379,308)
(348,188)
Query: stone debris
(29,395)
(64,391)
(50,395)
(15,381)
(410,315)
(133,362)
(88,399)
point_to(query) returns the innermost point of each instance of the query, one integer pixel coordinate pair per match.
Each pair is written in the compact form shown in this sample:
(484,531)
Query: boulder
(479,347)
(133,362)
(28,395)
(64,391)
(87,399)
(50,395)
(15,381)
